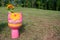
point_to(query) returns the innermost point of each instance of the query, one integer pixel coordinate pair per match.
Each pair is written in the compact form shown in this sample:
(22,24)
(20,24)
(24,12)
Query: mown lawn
(38,24)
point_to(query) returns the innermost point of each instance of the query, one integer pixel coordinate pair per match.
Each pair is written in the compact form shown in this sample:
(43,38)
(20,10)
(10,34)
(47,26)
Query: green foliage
(38,3)
(43,4)
(58,5)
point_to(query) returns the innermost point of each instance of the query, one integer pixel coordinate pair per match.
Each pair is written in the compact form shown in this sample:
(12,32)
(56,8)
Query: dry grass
(37,24)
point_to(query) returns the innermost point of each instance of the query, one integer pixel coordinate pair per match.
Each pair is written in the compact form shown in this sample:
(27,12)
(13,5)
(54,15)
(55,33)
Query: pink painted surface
(14,33)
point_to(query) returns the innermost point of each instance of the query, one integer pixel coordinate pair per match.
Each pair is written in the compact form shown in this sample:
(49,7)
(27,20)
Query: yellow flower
(10,6)
(15,16)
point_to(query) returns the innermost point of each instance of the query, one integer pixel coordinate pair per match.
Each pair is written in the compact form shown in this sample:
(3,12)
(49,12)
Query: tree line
(40,4)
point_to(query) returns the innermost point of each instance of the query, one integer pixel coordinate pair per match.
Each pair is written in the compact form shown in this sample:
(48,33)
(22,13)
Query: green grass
(38,24)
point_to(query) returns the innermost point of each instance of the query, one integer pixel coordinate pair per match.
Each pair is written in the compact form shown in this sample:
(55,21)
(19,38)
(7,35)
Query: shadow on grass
(22,29)
(2,26)
(5,24)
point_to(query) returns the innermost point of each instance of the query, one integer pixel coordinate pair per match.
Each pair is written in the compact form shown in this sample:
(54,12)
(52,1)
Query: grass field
(38,24)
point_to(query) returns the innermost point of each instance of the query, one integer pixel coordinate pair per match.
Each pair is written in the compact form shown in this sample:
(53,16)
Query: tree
(58,5)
